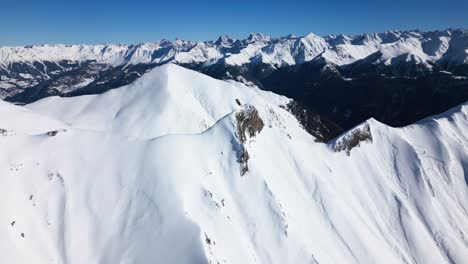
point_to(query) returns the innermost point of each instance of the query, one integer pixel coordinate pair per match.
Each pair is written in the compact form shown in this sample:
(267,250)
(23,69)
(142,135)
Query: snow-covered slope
(167,100)
(18,119)
(253,187)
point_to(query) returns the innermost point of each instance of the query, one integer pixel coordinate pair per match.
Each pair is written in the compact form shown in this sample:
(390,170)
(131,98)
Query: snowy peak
(225,41)
(258,37)
(147,183)
(338,40)
(169,99)
(310,45)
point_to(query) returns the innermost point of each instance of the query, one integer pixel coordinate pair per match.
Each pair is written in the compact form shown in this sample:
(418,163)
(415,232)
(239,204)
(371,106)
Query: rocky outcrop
(353,139)
(249,124)
(55,132)
(319,127)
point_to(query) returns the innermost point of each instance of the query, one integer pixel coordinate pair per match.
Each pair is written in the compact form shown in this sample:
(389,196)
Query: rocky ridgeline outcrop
(249,124)
(321,128)
(353,139)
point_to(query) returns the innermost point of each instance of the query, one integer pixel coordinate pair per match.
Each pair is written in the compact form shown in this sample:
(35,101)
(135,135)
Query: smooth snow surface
(135,178)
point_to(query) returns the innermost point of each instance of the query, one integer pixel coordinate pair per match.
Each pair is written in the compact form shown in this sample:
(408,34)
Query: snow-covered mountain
(181,168)
(339,50)
(139,110)
(168,100)
(63,69)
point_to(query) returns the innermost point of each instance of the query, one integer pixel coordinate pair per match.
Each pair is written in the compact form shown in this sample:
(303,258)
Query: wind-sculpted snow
(94,194)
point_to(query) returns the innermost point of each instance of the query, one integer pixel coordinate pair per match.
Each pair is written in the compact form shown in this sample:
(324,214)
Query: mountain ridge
(208,195)
(427,71)
(159,51)
(164,94)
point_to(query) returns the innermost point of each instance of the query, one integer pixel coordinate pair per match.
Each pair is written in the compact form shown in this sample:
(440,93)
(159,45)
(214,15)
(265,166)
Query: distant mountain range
(397,77)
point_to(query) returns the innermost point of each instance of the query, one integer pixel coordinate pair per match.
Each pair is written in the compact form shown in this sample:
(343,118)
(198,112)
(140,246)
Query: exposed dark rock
(63,79)
(249,124)
(319,127)
(353,139)
(207,239)
(243,160)
(54,132)
(51,176)
(396,97)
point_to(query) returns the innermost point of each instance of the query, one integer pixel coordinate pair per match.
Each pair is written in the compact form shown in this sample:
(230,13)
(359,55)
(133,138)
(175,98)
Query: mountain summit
(367,71)
(178,167)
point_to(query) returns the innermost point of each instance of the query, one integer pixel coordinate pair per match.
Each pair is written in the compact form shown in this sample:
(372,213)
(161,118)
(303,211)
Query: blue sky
(102,21)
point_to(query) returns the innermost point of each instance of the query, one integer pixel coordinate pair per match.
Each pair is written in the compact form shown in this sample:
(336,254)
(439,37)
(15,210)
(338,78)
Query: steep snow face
(409,46)
(253,187)
(347,53)
(168,100)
